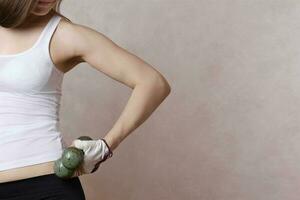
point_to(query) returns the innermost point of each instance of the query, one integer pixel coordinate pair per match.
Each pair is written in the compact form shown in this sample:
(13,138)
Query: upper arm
(106,56)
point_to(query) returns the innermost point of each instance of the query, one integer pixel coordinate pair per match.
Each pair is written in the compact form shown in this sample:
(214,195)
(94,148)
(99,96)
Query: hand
(95,152)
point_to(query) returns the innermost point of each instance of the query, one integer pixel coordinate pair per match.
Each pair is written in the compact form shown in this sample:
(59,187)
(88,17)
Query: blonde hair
(14,12)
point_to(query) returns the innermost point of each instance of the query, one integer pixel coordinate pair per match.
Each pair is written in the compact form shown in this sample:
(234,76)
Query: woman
(38,46)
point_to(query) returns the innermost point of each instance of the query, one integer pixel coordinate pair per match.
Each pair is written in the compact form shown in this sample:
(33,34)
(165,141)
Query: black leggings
(45,187)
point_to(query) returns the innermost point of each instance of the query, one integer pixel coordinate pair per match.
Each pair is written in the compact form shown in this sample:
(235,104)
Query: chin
(42,10)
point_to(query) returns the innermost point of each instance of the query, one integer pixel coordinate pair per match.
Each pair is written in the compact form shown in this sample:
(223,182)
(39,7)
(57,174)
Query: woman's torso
(45,167)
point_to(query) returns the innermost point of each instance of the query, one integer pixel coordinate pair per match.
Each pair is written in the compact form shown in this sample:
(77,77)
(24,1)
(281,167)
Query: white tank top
(30,92)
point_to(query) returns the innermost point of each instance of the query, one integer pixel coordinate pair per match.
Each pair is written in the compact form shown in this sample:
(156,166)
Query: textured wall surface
(230,128)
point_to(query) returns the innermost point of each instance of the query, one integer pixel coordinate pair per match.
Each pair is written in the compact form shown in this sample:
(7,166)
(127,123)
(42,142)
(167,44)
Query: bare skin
(150,88)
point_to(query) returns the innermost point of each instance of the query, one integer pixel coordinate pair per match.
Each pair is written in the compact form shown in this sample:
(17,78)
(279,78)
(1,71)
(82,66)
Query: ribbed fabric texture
(30,93)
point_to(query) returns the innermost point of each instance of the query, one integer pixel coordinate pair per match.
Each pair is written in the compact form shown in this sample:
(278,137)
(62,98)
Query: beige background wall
(229,130)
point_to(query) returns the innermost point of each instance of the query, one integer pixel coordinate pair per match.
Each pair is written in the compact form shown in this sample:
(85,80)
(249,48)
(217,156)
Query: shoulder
(65,40)
(74,38)
(66,29)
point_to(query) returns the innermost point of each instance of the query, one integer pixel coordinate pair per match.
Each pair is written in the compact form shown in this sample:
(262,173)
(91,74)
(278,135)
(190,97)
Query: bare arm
(150,88)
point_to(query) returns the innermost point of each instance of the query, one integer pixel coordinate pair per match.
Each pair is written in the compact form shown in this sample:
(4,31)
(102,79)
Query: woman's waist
(26,172)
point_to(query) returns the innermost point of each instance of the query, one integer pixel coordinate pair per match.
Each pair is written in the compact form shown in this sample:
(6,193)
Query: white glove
(95,152)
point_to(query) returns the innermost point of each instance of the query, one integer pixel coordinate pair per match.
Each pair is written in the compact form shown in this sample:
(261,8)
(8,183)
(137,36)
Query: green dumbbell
(70,160)
(61,171)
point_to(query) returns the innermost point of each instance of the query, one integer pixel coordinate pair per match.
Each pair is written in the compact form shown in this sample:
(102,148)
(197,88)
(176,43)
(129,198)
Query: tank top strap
(49,29)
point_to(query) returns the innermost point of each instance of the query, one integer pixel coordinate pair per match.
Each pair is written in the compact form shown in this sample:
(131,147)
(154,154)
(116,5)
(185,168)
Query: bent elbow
(163,85)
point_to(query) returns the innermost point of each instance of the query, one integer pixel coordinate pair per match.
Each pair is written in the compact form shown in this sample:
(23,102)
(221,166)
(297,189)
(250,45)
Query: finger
(81,169)
(75,174)
(77,171)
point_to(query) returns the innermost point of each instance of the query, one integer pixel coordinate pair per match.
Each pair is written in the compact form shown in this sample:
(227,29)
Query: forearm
(145,98)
